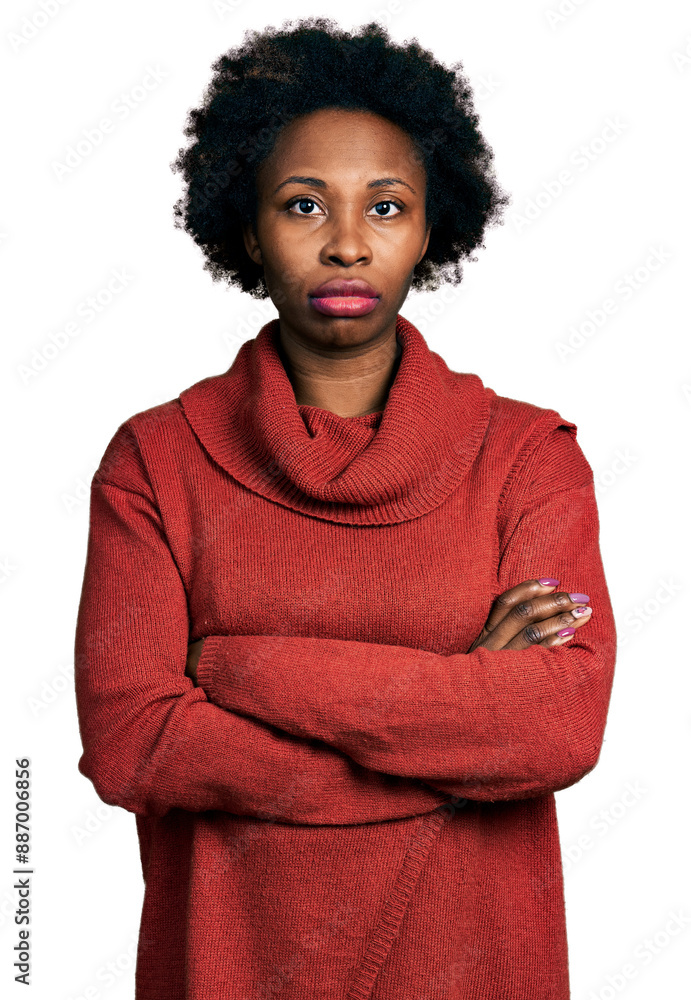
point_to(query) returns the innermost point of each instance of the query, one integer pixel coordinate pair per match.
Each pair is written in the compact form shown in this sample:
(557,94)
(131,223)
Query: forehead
(335,140)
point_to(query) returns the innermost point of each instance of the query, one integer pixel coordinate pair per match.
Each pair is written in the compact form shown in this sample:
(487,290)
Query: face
(340,199)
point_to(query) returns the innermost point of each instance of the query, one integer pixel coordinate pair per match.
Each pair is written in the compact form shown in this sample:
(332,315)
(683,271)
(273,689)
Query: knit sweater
(347,804)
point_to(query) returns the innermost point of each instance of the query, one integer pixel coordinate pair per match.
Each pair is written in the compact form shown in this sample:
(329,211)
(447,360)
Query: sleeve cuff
(205,665)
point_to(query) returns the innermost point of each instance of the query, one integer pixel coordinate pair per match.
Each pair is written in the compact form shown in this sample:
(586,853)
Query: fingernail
(580,612)
(566,631)
(547,581)
(579,598)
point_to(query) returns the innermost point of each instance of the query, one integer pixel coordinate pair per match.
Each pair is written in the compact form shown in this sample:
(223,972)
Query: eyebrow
(316,182)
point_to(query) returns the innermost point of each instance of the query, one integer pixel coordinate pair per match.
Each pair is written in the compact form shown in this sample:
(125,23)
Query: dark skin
(361,214)
(341,228)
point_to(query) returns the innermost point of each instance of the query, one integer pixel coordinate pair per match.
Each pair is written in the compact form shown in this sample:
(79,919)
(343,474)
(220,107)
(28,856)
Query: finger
(546,631)
(504,603)
(529,623)
(558,640)
(525,613)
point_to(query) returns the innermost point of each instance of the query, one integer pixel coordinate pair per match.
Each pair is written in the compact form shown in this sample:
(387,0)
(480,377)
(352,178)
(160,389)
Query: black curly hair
(275,76)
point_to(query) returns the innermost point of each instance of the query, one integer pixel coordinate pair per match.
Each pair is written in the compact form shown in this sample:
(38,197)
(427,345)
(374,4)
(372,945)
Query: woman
(334,645)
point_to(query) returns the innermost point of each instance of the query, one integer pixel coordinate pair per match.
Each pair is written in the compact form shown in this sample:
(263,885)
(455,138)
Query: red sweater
(349,805)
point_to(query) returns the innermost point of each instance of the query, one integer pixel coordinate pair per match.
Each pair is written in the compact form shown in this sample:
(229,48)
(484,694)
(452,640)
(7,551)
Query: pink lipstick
(344,298)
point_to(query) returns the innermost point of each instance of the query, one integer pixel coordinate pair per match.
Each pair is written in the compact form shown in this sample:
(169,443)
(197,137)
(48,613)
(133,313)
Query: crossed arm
(491,724)
(371,732)
(151,740)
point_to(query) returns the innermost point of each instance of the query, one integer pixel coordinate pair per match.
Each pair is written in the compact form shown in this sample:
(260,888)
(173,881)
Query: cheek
(286,262)
(291,246)
(399,252)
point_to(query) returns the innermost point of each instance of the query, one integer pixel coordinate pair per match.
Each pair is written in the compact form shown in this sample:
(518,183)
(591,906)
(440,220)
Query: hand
(531,614)
(194,651)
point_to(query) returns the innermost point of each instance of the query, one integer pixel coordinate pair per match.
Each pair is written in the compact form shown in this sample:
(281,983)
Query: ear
(424,245)
(251,244)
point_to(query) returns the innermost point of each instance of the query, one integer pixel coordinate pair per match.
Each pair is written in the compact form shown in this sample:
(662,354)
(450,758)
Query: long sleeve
(486,725)
(152,741)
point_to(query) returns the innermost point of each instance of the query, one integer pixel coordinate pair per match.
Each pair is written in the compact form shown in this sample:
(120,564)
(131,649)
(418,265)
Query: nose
(346,241)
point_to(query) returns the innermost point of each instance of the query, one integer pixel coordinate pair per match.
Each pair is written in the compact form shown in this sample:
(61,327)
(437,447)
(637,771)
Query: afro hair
(275,76)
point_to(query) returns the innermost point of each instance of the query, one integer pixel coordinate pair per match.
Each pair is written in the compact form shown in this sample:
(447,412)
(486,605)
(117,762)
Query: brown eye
(306,205)
(383,209)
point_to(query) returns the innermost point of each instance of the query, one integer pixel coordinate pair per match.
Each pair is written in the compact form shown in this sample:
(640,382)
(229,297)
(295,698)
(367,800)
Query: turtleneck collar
(381,468)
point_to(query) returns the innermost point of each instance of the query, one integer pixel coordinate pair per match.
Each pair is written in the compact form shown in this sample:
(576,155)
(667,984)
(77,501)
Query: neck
(369,471)
(349,382)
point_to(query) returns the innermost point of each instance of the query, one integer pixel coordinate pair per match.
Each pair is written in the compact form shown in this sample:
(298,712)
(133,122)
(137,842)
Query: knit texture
(373,470)
(348,805)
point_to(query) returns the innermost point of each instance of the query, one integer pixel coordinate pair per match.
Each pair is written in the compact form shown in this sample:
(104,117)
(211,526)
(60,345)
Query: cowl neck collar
(381,468)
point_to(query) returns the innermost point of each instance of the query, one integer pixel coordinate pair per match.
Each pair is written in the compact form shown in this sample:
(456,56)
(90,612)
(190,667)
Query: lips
(344,298)
(342,288)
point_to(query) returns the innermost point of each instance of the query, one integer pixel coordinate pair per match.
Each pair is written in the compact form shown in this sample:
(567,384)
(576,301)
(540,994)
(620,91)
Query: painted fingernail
(580,612)
(566,631)
(547,581)
(579,598)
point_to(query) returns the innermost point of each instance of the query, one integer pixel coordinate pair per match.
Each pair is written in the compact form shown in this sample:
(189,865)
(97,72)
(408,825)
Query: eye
(306,205)
(383,208)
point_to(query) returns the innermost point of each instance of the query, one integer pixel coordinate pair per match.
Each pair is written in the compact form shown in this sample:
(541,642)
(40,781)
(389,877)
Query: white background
(546,83)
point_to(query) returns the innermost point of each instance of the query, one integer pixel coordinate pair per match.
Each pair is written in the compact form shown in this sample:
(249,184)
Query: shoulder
(140,441)
(529,449)
(519,426)
(534,449)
